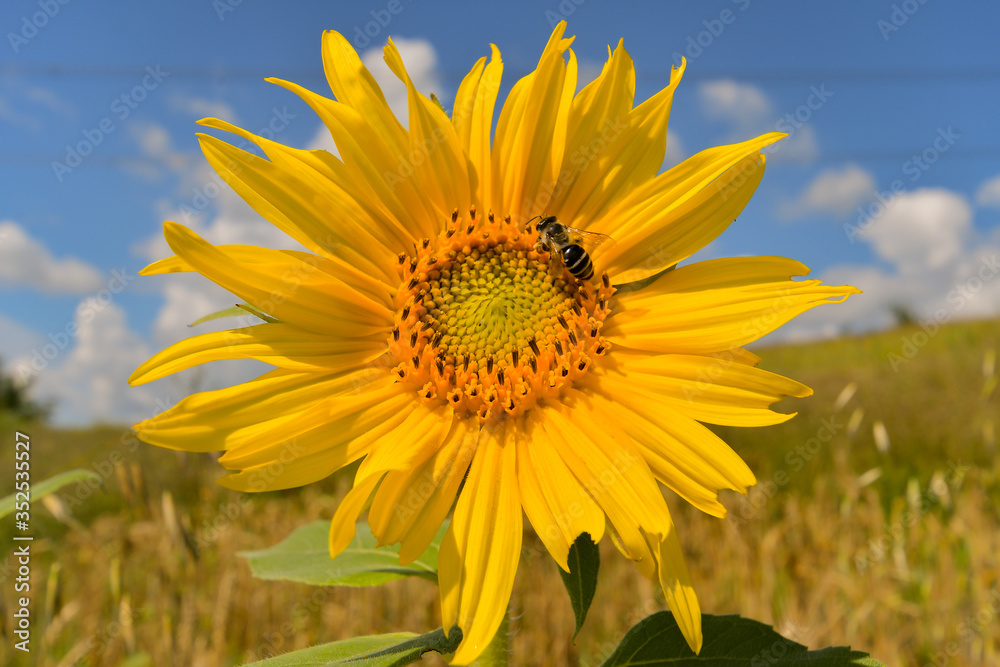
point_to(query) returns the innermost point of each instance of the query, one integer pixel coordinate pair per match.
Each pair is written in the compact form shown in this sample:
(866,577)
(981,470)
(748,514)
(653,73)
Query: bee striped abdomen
(578,262)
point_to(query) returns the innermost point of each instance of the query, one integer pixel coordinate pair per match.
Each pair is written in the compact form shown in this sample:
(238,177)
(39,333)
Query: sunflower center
(491,325)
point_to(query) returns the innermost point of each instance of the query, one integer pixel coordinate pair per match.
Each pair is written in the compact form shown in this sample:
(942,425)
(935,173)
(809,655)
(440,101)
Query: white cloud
(25,261)
(22,107)
(988,193)
(968,288)
(88,381)
(741,103)
(976,290)
(152,138)
(83,369)
(940,269)
(837,192)
(751,112)
(921,230)
(155,143)
(861,312)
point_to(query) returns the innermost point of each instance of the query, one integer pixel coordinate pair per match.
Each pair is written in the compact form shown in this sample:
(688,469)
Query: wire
(223,73)
(118,160)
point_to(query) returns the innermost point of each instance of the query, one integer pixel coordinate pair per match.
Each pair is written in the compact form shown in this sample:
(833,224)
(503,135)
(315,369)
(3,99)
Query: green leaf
(234,311)
(401,648)
(50,485)
(730,641)
(581,580)
(304,556)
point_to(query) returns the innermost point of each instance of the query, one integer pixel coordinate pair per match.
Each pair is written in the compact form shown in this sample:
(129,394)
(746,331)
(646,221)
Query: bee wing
(591,240)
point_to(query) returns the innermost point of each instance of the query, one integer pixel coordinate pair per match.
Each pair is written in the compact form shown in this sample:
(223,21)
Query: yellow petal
(278,344)
(310,447)
(200,422)
(379,171)
(613,461)
(353,84)
(292,290)
(737,355)
(411,504)
(504,144)
(416,428)
(612,471)
(716,305)
(654,238)
(684,455)
(472,117)
(440,167)
(532,139)
(678,590)
(420,435)
(680,183)
(355,417)
(598,117)
(558,507)
(269,409)
(479,555)
(708,389)
(294,198)
(345,519)
(616,149)
(373,287)
(324,192)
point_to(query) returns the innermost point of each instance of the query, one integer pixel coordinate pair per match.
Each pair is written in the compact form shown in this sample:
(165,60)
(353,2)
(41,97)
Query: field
(874,523)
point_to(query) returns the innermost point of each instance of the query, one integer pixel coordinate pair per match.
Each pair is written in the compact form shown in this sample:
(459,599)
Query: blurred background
(875,522)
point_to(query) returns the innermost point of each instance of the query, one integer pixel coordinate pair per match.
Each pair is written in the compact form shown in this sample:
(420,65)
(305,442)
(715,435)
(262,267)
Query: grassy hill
(935,394)
(874,523)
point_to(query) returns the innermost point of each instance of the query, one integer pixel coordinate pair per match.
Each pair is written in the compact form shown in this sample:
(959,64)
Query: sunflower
(426,331)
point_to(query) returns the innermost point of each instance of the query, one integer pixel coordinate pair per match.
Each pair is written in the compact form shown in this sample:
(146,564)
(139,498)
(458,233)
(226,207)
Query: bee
(568,241)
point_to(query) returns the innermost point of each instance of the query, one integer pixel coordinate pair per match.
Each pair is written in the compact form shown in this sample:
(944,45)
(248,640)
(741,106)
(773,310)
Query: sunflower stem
(497,653)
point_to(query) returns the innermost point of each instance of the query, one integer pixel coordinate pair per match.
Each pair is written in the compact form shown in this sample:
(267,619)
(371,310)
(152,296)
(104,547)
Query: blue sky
(890,179)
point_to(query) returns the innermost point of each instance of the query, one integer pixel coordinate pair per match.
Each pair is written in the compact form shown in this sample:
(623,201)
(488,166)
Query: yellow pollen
(490,325)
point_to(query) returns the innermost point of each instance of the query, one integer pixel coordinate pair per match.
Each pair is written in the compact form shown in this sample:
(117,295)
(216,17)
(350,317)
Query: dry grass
(903,562)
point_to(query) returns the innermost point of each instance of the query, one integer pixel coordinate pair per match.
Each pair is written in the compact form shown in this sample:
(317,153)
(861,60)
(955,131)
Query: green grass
(900,561)
(934,404)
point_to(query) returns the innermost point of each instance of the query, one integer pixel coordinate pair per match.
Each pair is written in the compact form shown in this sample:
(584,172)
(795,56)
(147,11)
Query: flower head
(432,330)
